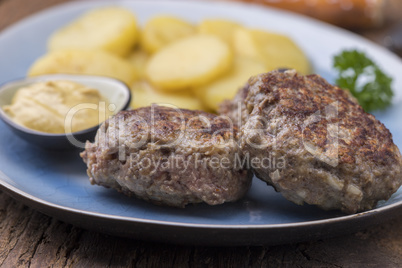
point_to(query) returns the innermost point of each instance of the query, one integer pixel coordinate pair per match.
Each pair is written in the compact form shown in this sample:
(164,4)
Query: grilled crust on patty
(337,156)
(166,155)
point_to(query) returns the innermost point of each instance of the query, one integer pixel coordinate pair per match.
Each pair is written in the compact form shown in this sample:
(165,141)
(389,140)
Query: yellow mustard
(58,107)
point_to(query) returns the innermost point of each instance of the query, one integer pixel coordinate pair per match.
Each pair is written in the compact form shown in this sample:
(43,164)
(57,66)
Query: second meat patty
(335,155)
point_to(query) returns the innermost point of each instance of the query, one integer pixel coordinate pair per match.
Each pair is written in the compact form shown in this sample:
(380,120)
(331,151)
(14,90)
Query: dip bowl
(116,92)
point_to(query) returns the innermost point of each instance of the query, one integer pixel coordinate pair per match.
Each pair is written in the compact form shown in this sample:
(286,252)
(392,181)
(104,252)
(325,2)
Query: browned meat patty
(168,156)
(328,151)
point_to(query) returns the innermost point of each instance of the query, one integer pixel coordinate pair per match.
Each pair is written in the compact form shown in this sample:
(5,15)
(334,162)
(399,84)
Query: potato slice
(244,44)
(192,61)
(227,86)
(112,29)
(91,62)
(139,58)
(281,52)
(276,50)
(221,28)
(144,95)
(162,30)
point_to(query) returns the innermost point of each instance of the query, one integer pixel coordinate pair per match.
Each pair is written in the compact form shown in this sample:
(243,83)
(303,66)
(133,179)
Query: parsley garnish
(364,79)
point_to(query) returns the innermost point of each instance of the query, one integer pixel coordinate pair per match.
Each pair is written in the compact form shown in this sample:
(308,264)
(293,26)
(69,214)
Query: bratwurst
(168,156)
(336,155)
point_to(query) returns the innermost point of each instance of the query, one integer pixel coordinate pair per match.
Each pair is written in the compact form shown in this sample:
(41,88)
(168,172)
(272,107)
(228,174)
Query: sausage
(351,14)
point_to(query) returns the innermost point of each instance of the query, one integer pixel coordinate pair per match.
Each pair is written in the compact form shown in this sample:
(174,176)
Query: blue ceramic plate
(55,182)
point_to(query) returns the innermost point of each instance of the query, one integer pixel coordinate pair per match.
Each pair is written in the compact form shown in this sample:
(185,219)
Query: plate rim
(388,208)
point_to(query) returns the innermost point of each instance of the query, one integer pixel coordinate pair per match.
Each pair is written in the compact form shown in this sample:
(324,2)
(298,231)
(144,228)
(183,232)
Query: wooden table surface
(30,238)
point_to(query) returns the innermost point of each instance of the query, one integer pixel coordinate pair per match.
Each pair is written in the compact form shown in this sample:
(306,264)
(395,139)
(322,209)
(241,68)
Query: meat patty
(168,156)
(331,153)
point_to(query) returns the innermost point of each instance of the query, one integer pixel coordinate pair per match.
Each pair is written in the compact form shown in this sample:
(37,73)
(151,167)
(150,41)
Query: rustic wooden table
(29,238)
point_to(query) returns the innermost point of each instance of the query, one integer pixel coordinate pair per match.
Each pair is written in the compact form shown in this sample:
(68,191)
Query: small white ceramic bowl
(115,91)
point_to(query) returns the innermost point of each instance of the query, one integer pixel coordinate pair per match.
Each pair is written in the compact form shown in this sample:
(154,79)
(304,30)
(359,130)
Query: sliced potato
(191,61)
(244,44)
(112,29)
(139,58)
(221,28)
(280,51)
(91,62)
(162,30)
(227,86)
(276,50)
(144,95)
